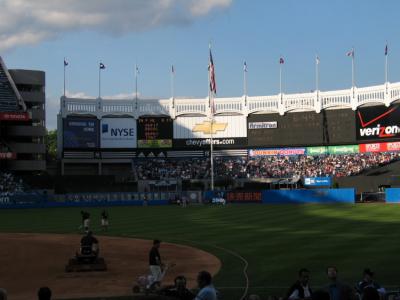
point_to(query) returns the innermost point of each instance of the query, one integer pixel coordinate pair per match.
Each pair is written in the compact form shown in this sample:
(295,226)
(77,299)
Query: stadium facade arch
(101,136)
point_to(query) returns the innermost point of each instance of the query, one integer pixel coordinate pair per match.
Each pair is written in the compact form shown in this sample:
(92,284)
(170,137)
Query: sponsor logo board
(317,181)
(234,196)
(14,116)
(263,125)
(80,133)
(317,150)
(277,152)
(118,133)
(8,155)
(224,131)
(345,149)
(380,147)
(378,122)
(200,143)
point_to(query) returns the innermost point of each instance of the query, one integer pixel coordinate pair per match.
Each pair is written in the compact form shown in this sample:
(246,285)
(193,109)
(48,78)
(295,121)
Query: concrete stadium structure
(281,103)
(23,92)
(108,162)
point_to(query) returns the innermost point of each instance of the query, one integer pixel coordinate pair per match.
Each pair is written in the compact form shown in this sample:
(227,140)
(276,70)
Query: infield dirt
(30,261)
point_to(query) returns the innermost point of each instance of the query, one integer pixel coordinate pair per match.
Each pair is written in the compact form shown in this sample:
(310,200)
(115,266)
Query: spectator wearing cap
(338,290)
(368,282)
(207,290)
(300,289)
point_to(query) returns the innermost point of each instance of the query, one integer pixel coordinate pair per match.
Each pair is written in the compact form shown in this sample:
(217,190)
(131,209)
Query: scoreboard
(330,127)
(155,132)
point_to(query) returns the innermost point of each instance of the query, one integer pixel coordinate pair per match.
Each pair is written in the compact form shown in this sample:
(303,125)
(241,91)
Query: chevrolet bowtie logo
(205,127)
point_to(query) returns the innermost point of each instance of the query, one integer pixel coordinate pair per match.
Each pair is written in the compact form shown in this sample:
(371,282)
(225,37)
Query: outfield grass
(276,240)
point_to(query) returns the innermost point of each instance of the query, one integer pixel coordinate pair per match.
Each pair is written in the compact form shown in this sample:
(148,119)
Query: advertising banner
(118,133)
(317,181)
(155,132)
(201,128)
(263,125)
(14,116)
(393,146)
(378,123)
(317,150)
(242,196)
(8,155)
(195,132)
(201,143)
(345,149)
(380,147)
(276,152)
(81,133)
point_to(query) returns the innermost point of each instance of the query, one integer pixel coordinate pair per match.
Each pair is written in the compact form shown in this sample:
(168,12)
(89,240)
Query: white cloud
(78,95)
(26,22)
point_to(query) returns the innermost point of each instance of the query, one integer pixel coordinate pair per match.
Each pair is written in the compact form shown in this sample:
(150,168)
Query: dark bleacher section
(8,98)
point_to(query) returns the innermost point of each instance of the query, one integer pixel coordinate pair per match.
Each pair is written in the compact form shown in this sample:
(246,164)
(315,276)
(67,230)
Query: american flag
(281,61)
(211,70)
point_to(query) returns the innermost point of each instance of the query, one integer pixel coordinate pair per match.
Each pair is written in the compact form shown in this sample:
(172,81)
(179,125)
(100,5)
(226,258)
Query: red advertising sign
(380,147)
(395,146)
(279,151)
(244,196)
(14,116)
(8,155)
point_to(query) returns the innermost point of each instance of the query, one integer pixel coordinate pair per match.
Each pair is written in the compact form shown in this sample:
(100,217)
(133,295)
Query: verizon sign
(378,123)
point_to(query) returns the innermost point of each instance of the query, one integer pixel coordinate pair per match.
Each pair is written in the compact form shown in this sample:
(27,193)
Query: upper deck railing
(245,105)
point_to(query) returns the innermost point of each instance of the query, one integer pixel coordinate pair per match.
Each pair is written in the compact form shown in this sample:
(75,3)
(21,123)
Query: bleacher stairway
(9,96)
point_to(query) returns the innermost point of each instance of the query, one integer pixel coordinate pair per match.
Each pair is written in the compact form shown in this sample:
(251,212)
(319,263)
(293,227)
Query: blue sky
(158,33)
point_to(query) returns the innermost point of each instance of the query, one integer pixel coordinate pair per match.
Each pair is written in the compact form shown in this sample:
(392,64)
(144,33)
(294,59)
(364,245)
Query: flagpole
(172,81)
(99,81)
(212,146)
(136,82)
(211,99)
(352,69)
(386,65)
(317,73)
(64,75)
(245,79)
(280,78)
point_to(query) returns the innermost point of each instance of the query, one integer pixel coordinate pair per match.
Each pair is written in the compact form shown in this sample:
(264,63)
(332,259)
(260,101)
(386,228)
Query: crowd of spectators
(10,184)
(335,289)
(264,167)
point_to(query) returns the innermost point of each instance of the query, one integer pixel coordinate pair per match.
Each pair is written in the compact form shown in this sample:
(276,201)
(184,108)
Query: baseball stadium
(199,150)
(250,189)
